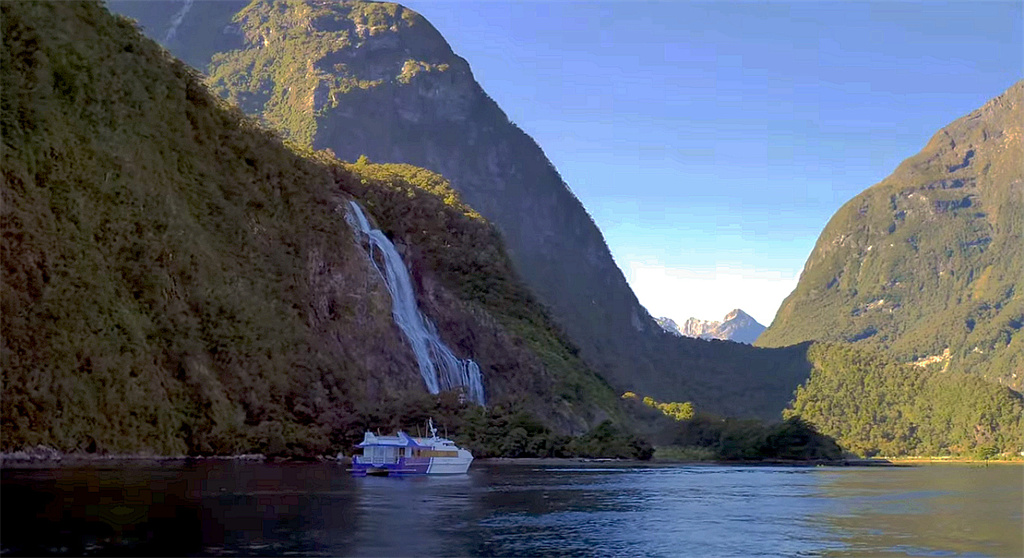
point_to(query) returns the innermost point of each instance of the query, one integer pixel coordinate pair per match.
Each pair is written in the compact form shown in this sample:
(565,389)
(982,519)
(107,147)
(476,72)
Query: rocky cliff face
(929,260)
(377,79)
(737,326)
(466,285)
(193,31)
(176,280)
(668,324)
(694,327)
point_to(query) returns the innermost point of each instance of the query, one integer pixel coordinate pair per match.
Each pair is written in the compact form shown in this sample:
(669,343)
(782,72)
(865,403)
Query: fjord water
(237,508)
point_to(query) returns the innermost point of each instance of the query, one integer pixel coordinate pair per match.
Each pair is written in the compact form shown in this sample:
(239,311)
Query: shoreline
(954,461)
(51,459)
(46,457)
(653,463)
(25,460)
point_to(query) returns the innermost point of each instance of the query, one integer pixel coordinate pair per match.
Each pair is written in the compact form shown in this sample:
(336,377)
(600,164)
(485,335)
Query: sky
(712,141)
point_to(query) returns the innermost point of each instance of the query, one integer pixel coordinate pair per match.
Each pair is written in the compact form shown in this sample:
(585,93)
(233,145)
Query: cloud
(710,293)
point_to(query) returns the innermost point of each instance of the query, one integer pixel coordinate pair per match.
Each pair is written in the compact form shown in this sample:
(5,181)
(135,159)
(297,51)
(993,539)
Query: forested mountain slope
(872,405)
(177,280)
(376,79)
(930,259)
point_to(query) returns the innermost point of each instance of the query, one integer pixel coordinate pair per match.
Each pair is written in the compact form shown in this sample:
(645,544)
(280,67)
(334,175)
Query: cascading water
(440,368)
(177,19)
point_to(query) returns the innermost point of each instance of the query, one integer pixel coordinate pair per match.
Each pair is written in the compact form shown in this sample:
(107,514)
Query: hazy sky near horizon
(712,141)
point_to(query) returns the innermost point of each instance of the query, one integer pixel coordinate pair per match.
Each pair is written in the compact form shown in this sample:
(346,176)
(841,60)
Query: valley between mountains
(183,272)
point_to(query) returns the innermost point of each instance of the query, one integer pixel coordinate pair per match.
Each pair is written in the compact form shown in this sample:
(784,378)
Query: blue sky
(712,141)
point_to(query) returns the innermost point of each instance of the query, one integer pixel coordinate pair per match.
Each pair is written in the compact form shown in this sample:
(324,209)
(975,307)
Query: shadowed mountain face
(176,280)
(384,83)
(929,263)
(669,325)
(378,80)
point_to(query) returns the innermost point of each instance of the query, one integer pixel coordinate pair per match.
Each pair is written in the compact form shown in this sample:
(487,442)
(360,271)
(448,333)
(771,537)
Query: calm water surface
(233,508)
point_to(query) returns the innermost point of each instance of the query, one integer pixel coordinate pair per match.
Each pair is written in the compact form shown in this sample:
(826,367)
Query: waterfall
(440,368)
(176,21)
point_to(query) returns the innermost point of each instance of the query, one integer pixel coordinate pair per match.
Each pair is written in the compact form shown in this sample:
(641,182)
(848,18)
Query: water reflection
(231,508)
(278,509)
(658,512)
(946,510)
(89,511)
(415,516)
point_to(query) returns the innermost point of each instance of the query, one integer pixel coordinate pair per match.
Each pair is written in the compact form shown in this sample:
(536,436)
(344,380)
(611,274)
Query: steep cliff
(668,324)
(928,263)
(736,326)
(377,79)
(176,280)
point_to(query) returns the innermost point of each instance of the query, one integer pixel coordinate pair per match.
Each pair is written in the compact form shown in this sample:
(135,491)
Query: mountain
(192,30)
(376,79)
(737,326)
(694,327)
(668,324)
(927,264)
(177,280)
(875,406)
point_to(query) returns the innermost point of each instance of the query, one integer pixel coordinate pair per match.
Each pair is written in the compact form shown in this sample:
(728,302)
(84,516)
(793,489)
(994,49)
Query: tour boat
(405,455)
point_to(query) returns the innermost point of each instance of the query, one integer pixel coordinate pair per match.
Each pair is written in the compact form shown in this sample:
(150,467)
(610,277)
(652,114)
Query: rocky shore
(587,462)
(45,456)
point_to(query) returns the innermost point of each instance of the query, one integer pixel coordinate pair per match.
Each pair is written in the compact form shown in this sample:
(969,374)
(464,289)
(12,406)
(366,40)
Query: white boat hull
(449,465)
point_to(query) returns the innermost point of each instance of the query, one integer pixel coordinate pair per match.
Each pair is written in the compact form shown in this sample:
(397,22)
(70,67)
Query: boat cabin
(388,449)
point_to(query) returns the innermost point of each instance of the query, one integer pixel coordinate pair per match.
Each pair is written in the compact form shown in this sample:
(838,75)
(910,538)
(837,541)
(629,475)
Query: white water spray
(440,368)
(176,21)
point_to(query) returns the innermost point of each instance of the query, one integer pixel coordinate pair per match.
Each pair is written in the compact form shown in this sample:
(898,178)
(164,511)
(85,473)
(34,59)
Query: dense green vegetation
(873,406)
(708,438)
(674,409)
(681,434)
(929,259)
(377,79)
(154,250)
(507,429)
(923,267)
(451,242)
(176,280)
(289,78)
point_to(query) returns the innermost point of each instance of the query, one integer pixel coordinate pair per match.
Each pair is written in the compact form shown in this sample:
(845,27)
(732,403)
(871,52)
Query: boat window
(439,453)
(379,454)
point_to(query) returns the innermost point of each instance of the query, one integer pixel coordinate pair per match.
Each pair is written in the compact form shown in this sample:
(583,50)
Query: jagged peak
(736,313)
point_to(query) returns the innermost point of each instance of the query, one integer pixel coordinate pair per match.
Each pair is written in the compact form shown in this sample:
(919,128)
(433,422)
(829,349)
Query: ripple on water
(237,509)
